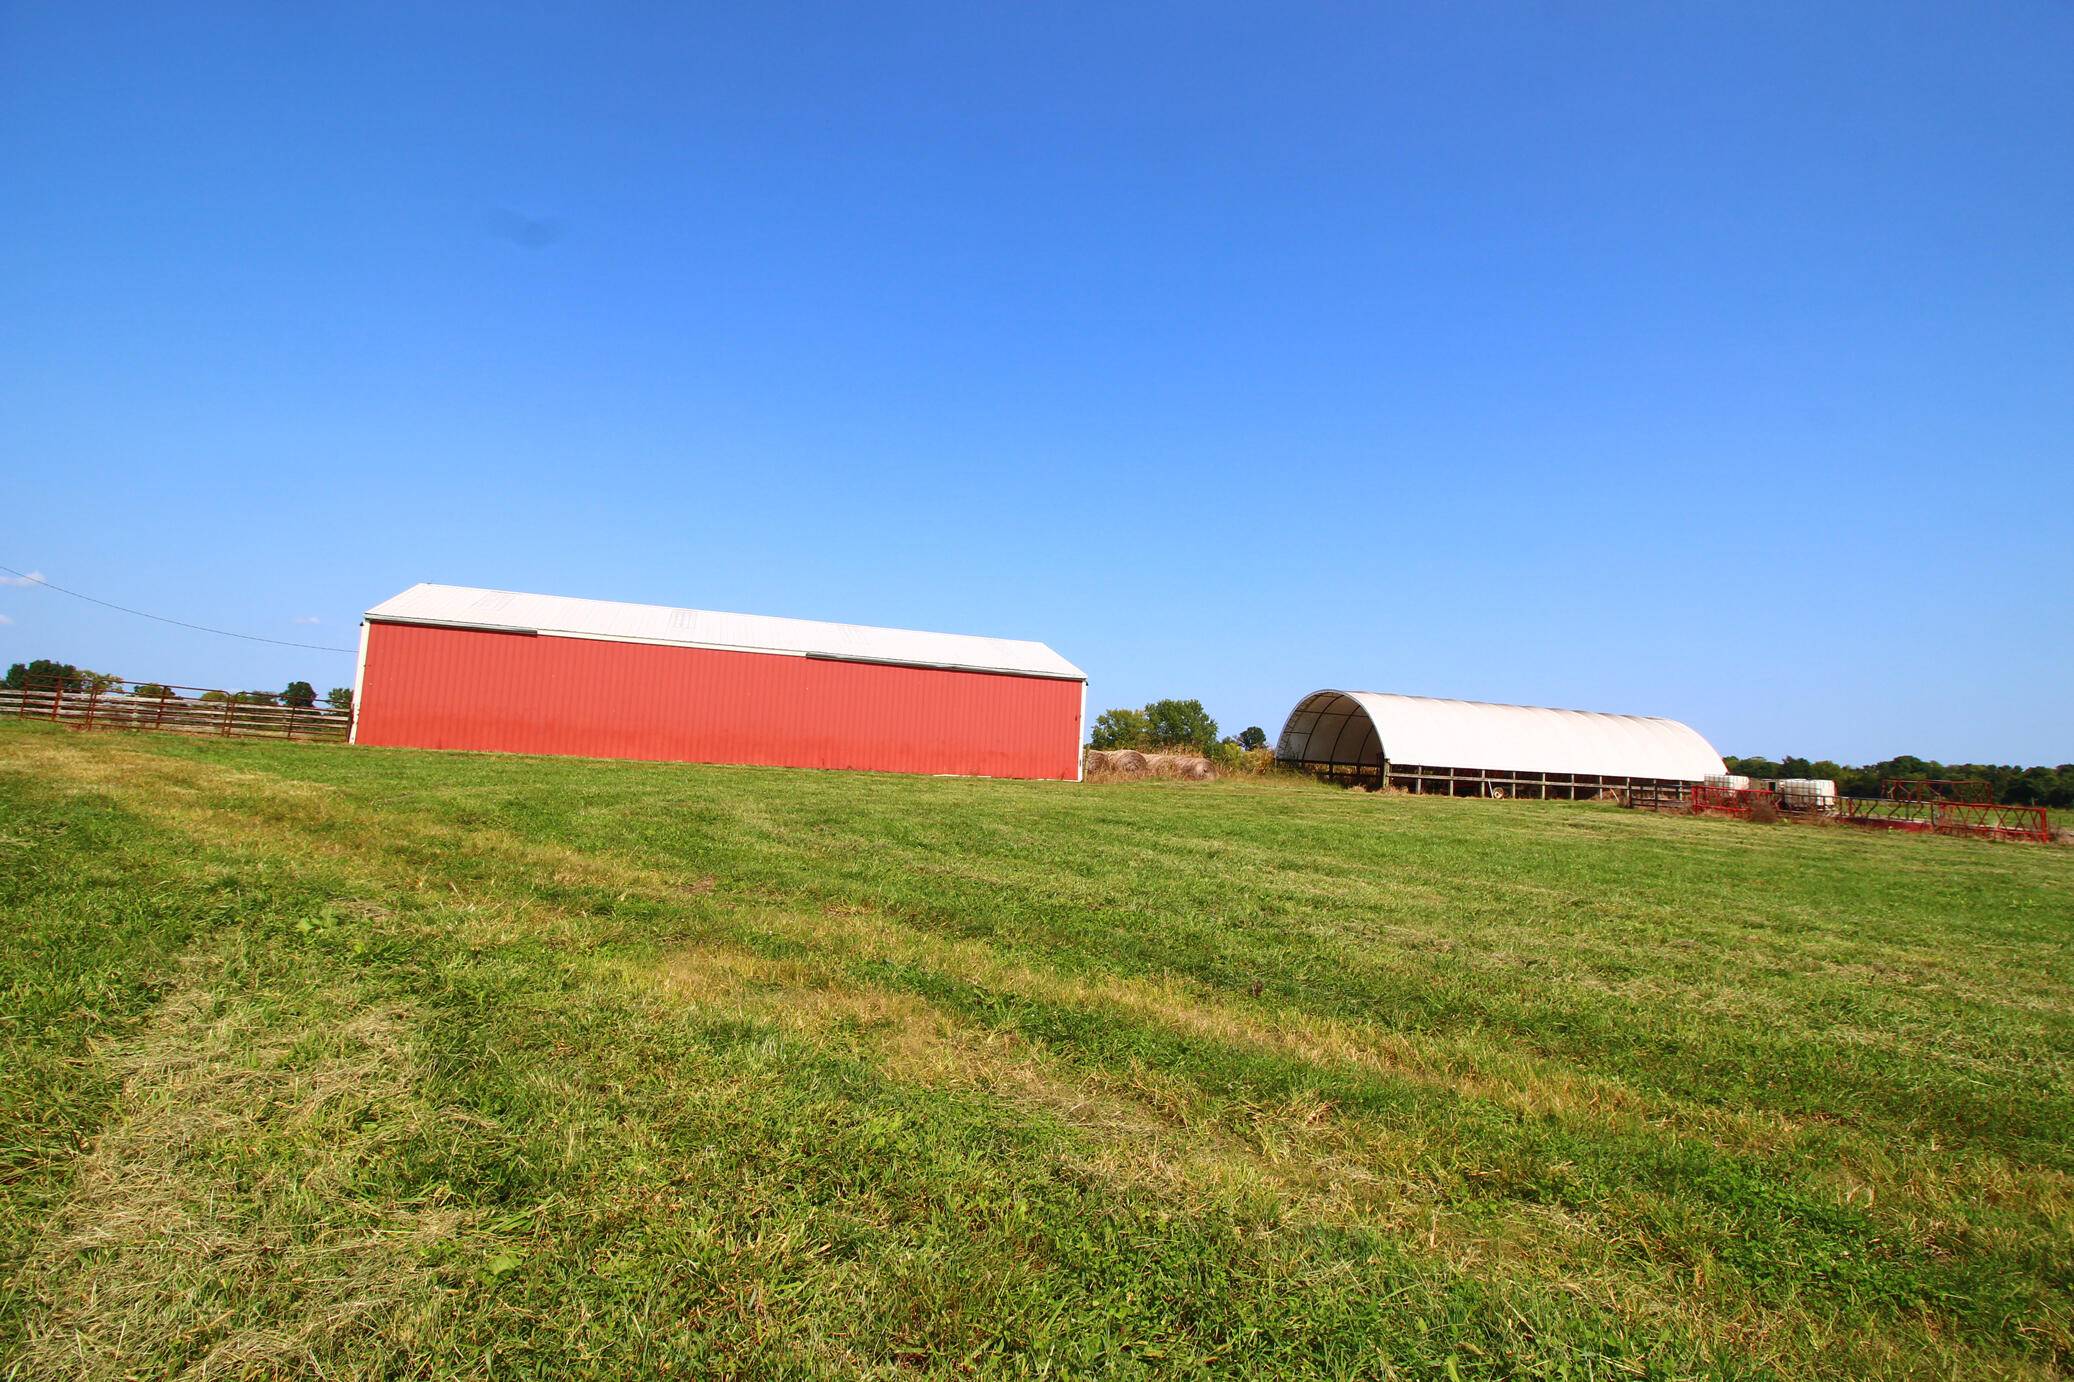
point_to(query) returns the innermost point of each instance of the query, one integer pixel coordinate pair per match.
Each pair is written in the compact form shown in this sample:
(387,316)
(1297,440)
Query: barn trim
(614,621)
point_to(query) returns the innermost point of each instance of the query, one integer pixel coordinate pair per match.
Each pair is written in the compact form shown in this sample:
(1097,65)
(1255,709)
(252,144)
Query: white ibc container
(1734,782)
(1808,793)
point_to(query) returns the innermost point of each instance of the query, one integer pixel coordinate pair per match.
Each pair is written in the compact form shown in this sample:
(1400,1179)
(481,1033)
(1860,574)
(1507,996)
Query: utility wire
(29,579)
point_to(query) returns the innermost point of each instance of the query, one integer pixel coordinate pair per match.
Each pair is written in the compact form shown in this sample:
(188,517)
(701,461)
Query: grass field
(370,1063)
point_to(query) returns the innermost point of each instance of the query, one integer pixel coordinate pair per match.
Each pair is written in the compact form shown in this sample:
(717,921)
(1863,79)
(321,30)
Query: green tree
(40,675)
(1121,729)
(299,694)
(339,698)
(1181,724)
(256,698)
(153,689)
(1252,737)
(2035,787)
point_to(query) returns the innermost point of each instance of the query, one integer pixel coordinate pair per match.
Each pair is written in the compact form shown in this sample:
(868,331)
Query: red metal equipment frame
(1885,813)
(1993,821)
(1730,801)
(1981,820)
(1972,790)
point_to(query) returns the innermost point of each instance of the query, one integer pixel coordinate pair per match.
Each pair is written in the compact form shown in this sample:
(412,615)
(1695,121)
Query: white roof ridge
(431,602)
(1513,705)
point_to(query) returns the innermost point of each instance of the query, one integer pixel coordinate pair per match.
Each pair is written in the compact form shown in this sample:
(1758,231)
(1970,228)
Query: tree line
(1171,726)
(2020,786)
(43,673)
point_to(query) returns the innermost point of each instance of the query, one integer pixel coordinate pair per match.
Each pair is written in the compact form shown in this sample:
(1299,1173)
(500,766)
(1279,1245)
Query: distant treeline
(2021,786)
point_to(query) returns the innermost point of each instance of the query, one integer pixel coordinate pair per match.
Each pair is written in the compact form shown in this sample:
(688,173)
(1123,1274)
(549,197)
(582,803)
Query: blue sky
(1713,361)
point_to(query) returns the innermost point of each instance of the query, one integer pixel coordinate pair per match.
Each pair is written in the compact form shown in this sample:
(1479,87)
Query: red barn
(450,667)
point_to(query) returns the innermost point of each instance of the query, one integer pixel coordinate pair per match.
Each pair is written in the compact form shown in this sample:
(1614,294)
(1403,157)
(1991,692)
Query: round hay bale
(1127,761)
(1189,767)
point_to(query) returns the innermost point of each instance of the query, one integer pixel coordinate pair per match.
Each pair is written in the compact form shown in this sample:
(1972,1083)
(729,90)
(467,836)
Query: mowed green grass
(366,1063)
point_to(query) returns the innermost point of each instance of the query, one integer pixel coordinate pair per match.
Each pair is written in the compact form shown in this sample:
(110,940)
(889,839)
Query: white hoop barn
(1470,748)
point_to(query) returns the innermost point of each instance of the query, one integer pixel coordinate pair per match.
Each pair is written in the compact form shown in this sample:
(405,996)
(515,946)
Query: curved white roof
(1362,727)
(460,606)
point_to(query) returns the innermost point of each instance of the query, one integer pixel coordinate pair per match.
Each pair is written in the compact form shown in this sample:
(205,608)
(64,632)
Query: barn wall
(444,688)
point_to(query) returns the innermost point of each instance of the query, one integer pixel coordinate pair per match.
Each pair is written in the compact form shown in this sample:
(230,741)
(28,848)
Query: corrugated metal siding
(444,688)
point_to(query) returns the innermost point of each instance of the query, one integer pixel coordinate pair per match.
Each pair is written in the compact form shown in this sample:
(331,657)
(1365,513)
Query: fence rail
(174,710)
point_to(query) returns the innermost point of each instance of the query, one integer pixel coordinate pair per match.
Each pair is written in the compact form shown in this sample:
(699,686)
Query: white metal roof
(1360,727)
(463,606)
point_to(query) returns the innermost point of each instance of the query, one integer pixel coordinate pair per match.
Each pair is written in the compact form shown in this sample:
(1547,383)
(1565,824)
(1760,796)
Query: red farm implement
(1984,820)
(1917,805)
(1740,802)
(1970,790)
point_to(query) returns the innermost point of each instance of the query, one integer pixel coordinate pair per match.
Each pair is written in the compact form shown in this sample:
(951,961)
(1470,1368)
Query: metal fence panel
(180,710)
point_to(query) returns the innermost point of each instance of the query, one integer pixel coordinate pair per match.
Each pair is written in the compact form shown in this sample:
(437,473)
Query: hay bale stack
(1113,763)
(1190,767)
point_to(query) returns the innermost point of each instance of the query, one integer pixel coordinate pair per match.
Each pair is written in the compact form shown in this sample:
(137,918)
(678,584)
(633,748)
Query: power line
(32,579)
